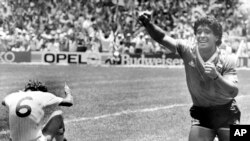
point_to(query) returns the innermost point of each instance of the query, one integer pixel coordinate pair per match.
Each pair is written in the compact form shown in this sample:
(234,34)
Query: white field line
(126,112)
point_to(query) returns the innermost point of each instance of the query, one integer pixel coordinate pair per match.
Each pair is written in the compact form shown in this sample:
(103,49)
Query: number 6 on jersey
(20,109)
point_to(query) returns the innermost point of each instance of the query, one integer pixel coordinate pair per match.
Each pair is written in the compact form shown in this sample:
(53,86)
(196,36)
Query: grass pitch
(117,103)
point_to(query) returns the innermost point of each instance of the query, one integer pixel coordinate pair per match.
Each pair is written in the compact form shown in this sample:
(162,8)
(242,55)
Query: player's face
(205,37)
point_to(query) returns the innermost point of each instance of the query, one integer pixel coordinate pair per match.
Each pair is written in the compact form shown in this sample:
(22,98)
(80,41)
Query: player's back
(25,115)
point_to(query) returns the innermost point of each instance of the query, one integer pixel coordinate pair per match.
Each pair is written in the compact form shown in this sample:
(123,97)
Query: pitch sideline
(126,112)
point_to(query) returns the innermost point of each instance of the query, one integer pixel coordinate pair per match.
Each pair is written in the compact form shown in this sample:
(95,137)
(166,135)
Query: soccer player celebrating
(26,113)
(211,77)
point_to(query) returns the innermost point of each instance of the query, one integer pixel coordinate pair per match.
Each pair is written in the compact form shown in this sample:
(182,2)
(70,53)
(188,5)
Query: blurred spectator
(131,50)
(139,43)
(95,45)
(55,46)
(34,43)
(3,46)
(114,59)
(157,48)
(225,48)
(72,44)
(119,44)
(148,47)
(102,19)
(81,46)
(106,39)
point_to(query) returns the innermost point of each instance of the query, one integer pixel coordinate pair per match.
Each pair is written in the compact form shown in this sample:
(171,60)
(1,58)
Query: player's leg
(199,133)
(201,129)
(223,134)
(54,128)
(233,118)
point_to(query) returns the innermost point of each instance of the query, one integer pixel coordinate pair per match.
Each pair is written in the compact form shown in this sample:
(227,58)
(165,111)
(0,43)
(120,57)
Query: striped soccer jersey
(26,111)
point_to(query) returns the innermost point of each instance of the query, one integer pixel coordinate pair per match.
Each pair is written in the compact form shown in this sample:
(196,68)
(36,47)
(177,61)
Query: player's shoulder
(186,46)
(39,94)
(33,94)
(228,60)
(15,95)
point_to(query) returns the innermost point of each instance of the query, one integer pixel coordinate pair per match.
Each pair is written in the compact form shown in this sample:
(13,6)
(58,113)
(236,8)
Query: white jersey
(26,111)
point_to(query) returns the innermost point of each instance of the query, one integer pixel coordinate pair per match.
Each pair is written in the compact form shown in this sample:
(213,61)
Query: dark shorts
(55,126)
(215,117)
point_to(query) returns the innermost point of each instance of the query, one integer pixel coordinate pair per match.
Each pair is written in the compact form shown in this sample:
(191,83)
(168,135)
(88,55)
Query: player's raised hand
(67,89)
(144,17)
(68,99)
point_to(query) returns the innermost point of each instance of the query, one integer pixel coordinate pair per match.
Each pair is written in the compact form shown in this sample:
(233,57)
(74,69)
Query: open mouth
(203,42)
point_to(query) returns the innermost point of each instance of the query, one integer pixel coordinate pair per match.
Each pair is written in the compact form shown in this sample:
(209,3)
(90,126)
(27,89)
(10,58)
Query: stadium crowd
(98,25)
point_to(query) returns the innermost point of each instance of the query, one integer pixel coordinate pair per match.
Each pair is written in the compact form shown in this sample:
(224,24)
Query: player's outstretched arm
(157,33)
(68,100)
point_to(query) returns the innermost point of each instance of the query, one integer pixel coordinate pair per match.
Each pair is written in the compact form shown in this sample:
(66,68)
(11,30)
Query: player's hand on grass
(144,17)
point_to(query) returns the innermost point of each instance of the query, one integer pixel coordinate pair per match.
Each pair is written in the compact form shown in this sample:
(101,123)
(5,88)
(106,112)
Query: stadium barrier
(15,57)
(151,59)
(167,60)
(99,58)
(66,57)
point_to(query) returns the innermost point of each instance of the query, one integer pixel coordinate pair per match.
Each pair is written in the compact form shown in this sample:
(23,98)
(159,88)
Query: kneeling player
(26,111)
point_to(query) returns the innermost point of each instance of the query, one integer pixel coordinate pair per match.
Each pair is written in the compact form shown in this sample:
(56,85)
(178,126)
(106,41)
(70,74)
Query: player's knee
(200,133)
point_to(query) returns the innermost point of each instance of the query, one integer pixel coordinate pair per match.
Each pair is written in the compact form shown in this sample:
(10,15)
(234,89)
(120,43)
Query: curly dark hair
(212,23)
(35,86)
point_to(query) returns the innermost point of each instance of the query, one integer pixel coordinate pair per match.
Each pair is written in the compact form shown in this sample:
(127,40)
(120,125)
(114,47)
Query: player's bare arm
(157,33)
(223,81)
(68,100)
